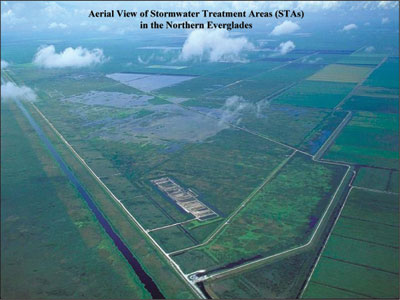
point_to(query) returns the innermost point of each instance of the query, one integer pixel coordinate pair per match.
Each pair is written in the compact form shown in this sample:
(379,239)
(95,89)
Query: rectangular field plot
(362,58)
(372,206)
(362,253)
(375,233)
(216,80)
(359,280)
(372,178)
(341,73)
(317,290)
(386,76)
(373,104)
(148,82)
(173,238)
(369,139)
(273,221)
(266,84)
(394,182)
(315,94)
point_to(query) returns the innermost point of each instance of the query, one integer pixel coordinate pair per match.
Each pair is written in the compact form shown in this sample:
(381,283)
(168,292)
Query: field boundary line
(337,107)
(359,265)
(329,235)
(170,225)
(374,190)
(341,289)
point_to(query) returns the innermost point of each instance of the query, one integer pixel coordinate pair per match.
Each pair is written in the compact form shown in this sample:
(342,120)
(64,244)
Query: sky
(69,18)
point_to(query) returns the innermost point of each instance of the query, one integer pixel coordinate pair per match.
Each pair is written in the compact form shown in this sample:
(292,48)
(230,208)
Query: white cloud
(214,45)
(103,28)
(9,18)
(55,25)
(54,10)
(387,4)
(318,5)
(4,64)
(349,27)
(10,90)
(385,20)
(285,28)
(70,57)
(369,49)
(285,47)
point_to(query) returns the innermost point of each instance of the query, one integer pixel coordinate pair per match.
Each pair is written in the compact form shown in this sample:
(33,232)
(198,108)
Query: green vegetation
(361,58)
(317,94)
(152,261)
(341,73)
(372,104)
(224,167)
(372,178)
(273,220)
(260,86)
(376,207)
(361,256)
(317,290)
(282,278)
(370,139)
(299,122)
(386,76)
(363,253)
(47,219)
(172,238)
(344,276)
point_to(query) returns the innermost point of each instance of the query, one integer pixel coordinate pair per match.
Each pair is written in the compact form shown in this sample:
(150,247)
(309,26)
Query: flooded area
(148,82)
(107,114)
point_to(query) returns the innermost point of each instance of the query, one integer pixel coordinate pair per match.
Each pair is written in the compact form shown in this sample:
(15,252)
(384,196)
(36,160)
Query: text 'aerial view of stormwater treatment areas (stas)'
(199,150)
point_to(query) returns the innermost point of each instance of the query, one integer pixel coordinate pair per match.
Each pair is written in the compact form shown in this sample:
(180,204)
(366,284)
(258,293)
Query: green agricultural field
(386,76)
(344,276)
(354,251)
(362,58)
(370,139)
(265,84)
(364,244)
(341,73)
(317,94)
(394,182)
(214,80)
(372,104)
(48,219)
(375,207)
(318,290)
(372,178)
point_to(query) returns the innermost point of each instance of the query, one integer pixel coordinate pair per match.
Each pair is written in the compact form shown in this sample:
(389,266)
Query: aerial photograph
(199,150)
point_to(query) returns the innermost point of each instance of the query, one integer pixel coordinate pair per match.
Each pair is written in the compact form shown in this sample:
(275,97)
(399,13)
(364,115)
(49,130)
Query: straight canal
(140,272)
